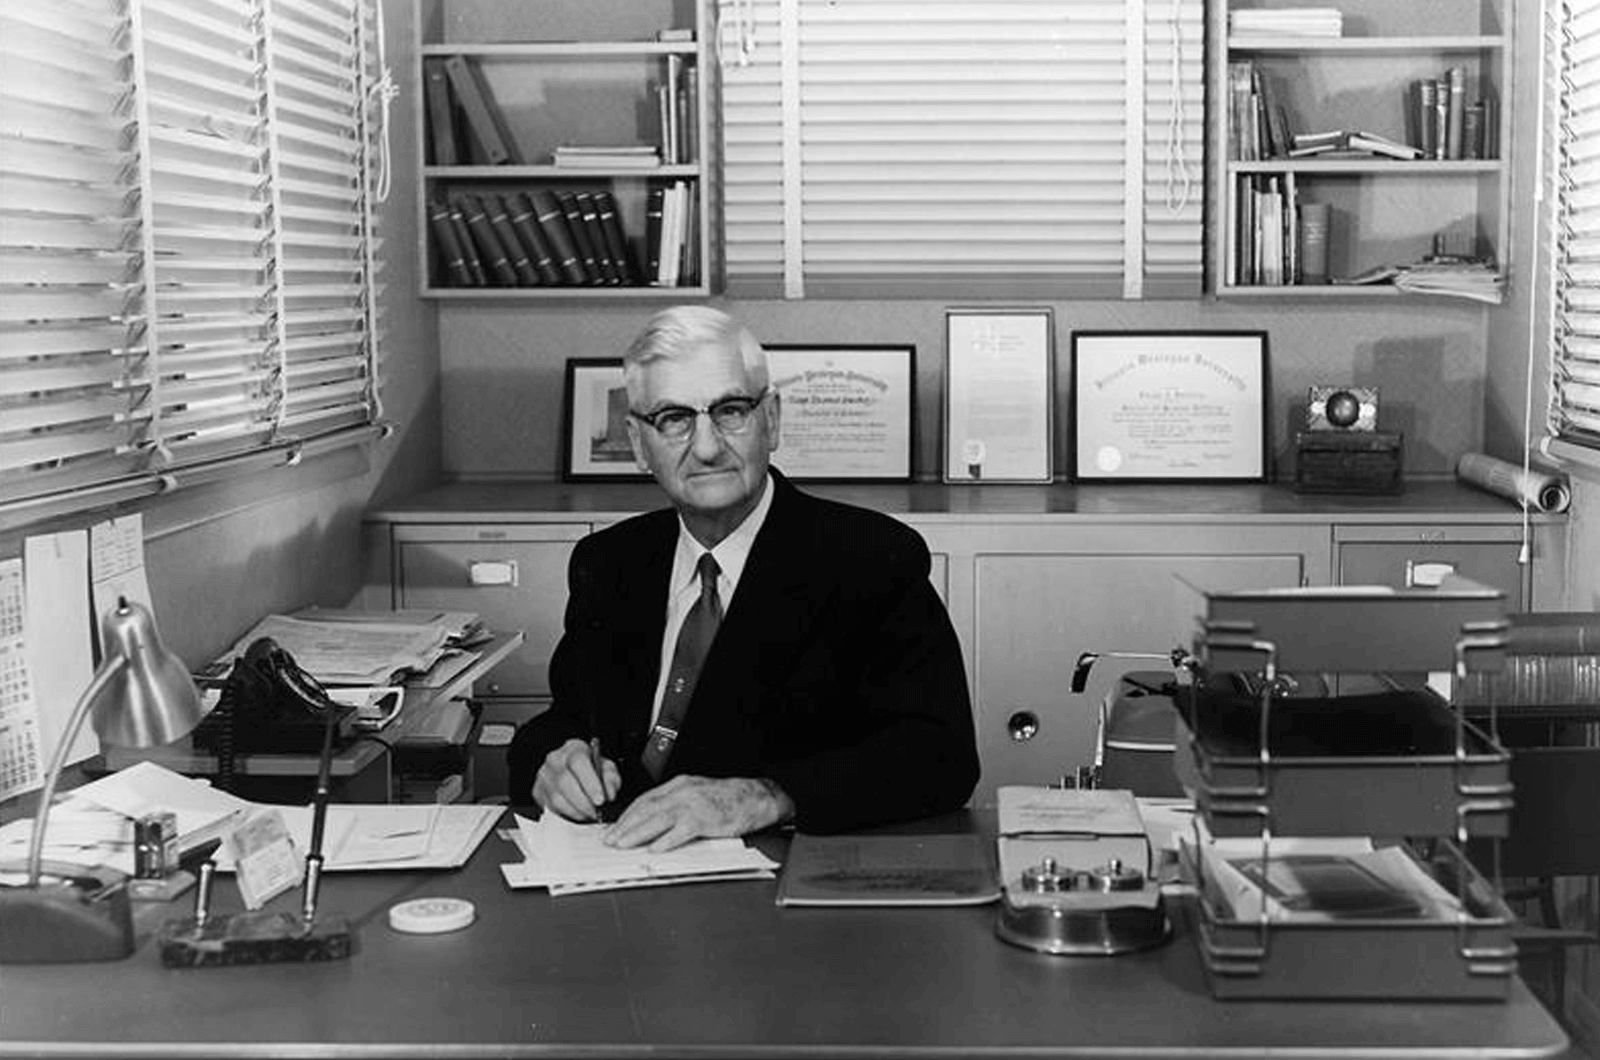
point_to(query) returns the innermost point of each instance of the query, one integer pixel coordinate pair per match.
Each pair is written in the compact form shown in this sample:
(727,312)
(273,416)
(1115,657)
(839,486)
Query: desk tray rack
(1397,766)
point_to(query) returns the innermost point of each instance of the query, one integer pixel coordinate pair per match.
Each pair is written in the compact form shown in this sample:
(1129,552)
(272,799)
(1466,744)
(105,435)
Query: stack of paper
(363,837)
(569,858)
(92,826)
(352,653)
(1476,280)
(1287,21)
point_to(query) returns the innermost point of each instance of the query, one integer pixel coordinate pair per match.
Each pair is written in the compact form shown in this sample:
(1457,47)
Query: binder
(616,240)
(495,207)
(482,118)
(548,213)
(573,212)
(469,250)
(490,251)
(448,244)
(610,268)
(441,119)
(519,208)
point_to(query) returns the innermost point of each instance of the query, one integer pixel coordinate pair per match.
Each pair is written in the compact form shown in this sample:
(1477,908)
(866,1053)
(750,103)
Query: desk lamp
(140,696)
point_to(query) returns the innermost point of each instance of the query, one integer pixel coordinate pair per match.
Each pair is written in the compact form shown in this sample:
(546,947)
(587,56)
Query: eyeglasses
(728,416)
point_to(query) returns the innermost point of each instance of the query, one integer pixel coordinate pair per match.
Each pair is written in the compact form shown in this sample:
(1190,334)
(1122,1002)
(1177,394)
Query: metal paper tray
(1407,765)
(1333,630)
(1466,958)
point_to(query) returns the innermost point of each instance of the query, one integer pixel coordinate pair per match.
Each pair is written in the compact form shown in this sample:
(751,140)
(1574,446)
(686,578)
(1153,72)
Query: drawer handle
(492,572)
(1427,575)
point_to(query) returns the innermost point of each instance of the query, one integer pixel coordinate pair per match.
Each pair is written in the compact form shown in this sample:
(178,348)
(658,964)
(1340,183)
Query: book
(619,157)
(552,220)
(1456,79)
(442,147)
(652,231)
(874,870)
(483,119)
(519,208)
(469,249)
(500,219)
(1373,143)
(1314,222)
(671,235)
(605,205)
(496,262)
(453,269)
(579,230)
(609,269)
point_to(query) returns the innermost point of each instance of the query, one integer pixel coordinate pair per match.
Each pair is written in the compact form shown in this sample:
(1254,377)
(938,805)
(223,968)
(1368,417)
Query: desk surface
(708,970)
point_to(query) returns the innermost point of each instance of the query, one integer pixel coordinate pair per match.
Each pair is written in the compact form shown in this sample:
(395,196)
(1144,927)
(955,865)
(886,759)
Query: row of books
(1277,240)
(1441,123)
(546,238)
(1444,124)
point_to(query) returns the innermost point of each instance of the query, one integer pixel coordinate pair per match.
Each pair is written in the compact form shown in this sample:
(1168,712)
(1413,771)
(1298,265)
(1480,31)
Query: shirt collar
(731,552)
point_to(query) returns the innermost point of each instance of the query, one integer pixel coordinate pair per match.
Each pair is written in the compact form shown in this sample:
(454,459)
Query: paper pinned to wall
(58,623)
(116,565)
(21,762)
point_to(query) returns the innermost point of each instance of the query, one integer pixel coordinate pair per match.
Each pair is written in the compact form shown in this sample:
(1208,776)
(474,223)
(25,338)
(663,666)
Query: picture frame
(594,439)
(848,411)
(1169,406)
(999,395)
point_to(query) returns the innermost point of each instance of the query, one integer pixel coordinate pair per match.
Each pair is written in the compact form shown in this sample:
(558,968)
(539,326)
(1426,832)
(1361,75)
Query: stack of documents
(352,648)
(363,837)
(1475,280)
(569,858)
(92,826)
(1287,21)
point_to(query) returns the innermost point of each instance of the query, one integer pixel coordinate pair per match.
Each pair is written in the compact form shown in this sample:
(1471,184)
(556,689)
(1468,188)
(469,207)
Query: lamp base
(253,938)
(81,917)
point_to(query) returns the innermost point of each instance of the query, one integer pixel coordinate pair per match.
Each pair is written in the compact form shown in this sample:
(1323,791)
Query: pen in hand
(605,812)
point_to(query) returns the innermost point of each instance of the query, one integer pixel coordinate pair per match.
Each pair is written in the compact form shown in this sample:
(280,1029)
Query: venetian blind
(186,241)
(1011,148)
(1575,374)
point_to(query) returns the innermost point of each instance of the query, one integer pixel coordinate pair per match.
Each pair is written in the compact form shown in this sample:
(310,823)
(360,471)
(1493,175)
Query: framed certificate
(1153,406)
(998,395)
(595,423)
(847,411)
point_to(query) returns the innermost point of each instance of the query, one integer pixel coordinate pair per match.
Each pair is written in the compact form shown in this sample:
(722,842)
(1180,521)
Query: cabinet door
(513,576)
(1036,613)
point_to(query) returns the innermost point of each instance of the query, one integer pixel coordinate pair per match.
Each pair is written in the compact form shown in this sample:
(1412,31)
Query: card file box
(1261,761)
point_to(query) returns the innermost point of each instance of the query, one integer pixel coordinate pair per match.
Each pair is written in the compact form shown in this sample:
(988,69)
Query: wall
(220,557)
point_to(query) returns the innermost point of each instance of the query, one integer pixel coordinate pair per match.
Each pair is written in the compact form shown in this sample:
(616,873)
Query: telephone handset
(270,704)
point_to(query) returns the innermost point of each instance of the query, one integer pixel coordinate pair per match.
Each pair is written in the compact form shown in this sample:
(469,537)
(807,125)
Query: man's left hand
(688,807)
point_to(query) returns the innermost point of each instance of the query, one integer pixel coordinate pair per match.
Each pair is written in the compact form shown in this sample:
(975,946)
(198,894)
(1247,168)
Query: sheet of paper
(146,787)
(56,594)
(565,857)
(116,565)
(78,833)
(372,836)
(1026,809)
(21,760)
(350,652)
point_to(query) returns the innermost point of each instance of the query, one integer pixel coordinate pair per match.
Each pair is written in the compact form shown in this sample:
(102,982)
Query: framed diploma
(998,395)
(595,421)
(847,411)
(1154,406)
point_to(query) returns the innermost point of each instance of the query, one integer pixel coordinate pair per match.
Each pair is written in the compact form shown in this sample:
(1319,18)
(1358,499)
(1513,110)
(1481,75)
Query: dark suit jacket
(835,672)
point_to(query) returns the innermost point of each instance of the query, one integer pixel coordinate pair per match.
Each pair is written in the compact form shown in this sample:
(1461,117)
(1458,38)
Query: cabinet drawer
(1420,560)
(515,577)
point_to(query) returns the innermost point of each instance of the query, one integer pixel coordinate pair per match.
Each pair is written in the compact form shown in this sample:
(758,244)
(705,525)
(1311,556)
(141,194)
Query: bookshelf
(1364,76)
(563,145)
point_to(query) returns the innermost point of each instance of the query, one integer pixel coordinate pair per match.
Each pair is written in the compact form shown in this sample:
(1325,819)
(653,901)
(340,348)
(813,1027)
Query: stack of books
(1286,22)
(1337,143)
(628,156)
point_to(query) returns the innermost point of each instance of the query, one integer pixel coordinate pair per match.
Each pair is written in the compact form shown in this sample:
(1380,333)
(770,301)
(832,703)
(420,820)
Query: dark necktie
(694,641)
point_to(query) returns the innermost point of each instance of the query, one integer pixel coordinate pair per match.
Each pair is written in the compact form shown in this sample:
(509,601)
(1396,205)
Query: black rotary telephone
(269,704)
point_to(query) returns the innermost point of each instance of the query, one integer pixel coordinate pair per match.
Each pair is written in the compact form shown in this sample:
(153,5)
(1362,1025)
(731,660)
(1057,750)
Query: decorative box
(1347,462)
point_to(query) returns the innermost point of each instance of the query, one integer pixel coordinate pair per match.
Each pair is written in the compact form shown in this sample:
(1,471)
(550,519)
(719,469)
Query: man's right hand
(571,783)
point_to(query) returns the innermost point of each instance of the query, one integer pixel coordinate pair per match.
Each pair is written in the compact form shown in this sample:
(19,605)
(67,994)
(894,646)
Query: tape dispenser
(1075,871)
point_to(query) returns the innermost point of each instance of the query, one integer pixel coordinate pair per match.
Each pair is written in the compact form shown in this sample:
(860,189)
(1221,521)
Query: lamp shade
(151,699)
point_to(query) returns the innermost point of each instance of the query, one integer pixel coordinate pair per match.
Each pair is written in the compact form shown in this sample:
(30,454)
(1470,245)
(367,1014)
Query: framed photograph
(998,395)
(847,411)
(595,420)
(1169,406)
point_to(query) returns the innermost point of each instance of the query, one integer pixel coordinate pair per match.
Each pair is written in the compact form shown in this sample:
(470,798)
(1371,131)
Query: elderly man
(752,655)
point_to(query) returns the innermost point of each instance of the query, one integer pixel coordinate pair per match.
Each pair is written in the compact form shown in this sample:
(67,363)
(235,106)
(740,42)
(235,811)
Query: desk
(429,720)
(710,970)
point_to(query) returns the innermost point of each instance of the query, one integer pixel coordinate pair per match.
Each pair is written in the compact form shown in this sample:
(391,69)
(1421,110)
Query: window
(187,254)
(1574,414)
(1010,148)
